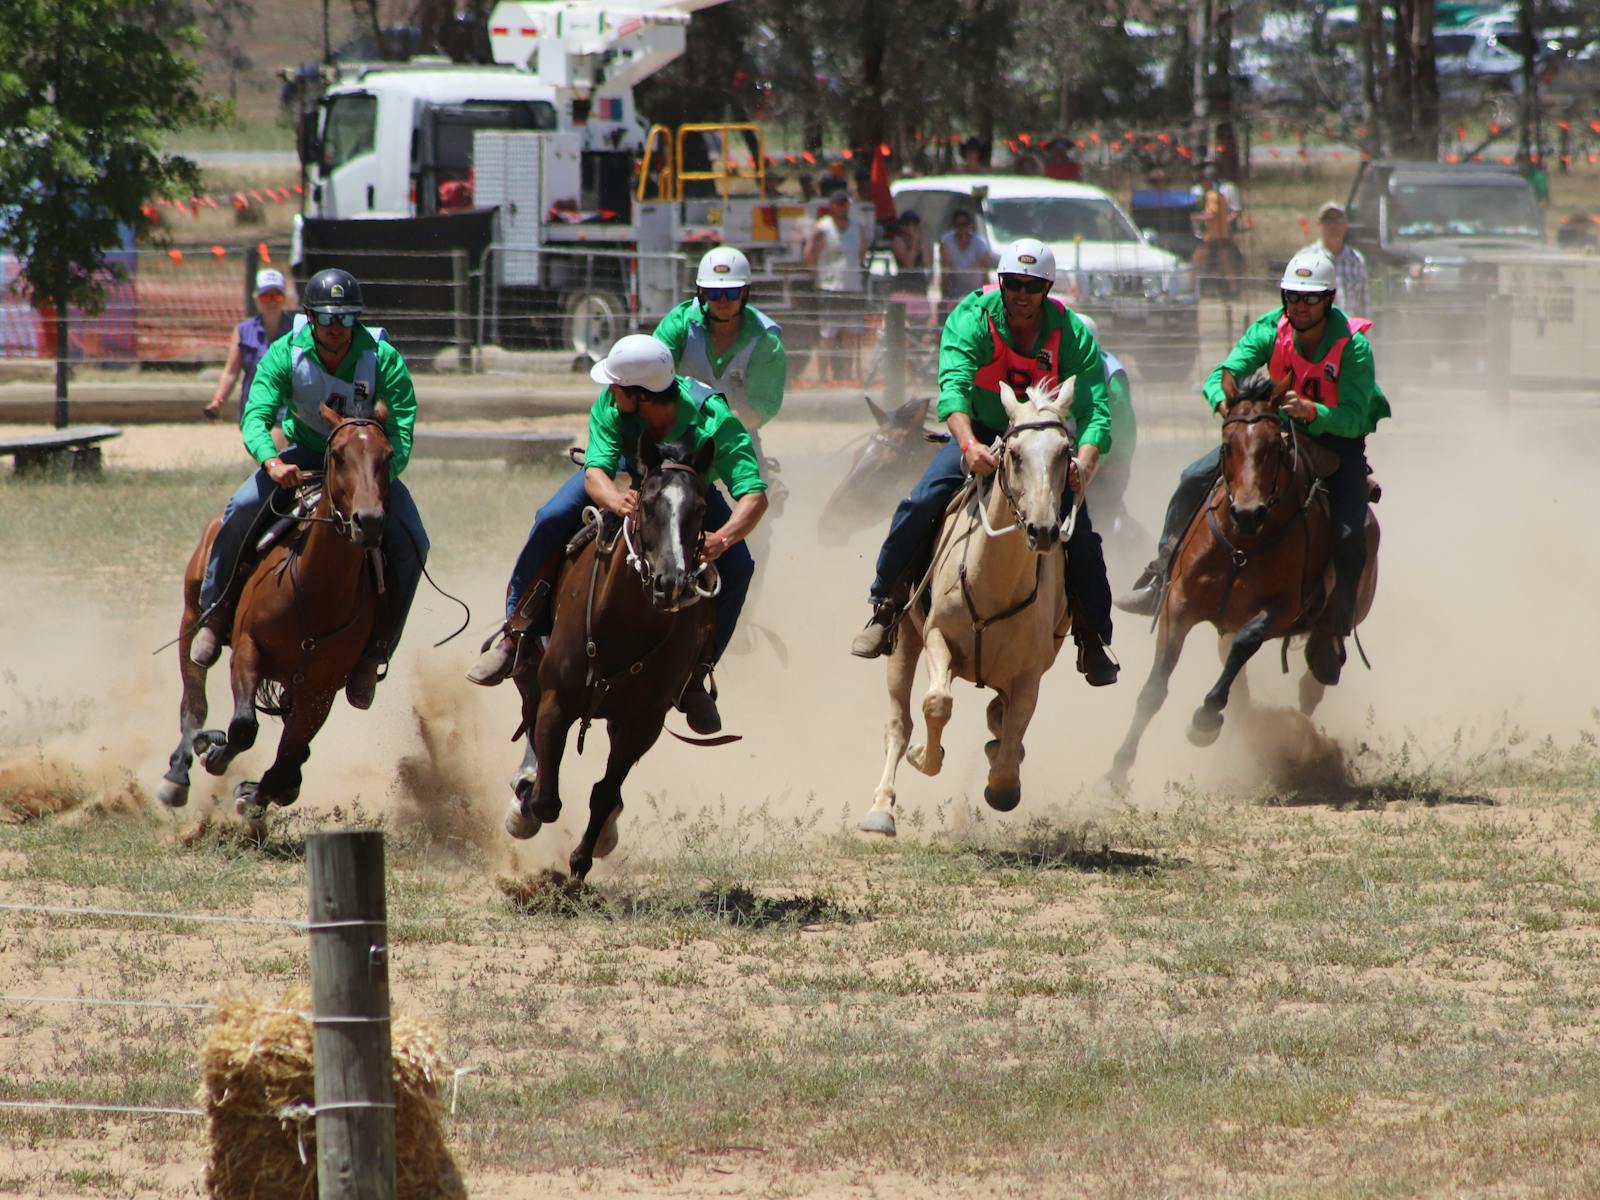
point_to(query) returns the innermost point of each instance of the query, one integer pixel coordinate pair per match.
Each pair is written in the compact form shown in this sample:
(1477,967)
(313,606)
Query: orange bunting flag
(1594,158)
(885,149)
(1219,148)
(176,256)
(1266,135)
(211,201)
(218,252)
(239,201)
(1506,159)
(1494,128)
(297,190)
(263,253)
(1336,153)
(1563,125)
(1274,152)
(1477,158)
(257,197)
(1025,138)
(1094,137)
(1305,227)
(1078,143)
(1461,133)
(1303,153)
(151,212)
(808,156)
(1184,152)
(847,153)
(1116,147)
(1595,124)
(1164,138)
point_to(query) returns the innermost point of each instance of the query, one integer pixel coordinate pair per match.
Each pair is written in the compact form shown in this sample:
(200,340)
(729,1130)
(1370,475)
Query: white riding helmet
(1311,270)
(637,360)
(726,266)
(1028,256)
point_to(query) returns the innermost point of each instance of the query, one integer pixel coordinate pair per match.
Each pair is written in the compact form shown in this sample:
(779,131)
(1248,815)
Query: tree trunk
(1222,91)
(1425,86)
(1528,136)
(61,365)
(1200,40)
(1374,67)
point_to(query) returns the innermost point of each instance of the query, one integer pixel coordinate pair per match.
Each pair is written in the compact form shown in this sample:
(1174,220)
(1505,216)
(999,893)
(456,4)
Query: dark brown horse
(884,470)
(628,632)
(301,624)
(1254,562)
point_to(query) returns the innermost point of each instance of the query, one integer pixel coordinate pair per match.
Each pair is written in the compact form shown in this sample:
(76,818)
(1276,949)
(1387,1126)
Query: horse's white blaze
(671,550)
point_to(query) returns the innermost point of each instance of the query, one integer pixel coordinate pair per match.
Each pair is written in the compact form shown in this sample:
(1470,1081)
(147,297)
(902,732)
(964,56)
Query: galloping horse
(628,632)
(884,469)
(998,569)
(302,621)
(1256,566)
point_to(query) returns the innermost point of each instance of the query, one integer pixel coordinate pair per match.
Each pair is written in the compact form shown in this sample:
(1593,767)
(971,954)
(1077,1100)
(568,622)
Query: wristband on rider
(967,445)
(721,540)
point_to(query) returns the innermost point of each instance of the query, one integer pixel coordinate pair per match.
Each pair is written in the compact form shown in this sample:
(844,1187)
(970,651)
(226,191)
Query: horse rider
(1333,396)
(643,394)
(1019,334)
(1116,465)
(728,344)
(328,356)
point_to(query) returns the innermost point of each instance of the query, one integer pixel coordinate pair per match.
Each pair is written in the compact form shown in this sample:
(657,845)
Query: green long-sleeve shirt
(967,346)
(769,365)
(274,388)
(1361,404)
(614,435)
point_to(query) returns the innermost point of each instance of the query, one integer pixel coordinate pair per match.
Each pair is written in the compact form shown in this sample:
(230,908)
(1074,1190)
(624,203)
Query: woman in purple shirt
(254,336)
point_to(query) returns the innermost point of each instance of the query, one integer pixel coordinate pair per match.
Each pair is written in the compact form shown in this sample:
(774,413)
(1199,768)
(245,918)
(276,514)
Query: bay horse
(1254,562)
(883,470)
(302,621)
(629,630)
(998,570)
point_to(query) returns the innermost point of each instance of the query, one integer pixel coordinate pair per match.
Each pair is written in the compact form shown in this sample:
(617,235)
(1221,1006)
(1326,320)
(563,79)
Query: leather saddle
(1324,463)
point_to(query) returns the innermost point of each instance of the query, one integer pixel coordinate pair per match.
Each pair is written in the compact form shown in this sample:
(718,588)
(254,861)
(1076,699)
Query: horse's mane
(1254,390)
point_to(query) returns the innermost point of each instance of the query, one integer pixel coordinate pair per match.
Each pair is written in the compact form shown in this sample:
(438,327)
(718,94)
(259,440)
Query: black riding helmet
(332,291)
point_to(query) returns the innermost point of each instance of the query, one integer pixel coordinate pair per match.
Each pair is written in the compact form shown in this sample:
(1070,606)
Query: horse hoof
(281,799)
(1002,799)
(1204,726)
(518,824)
(923,761)
(173,795)
(607,841)
(248,804)
(1109,788)
(878,821)
(579,865)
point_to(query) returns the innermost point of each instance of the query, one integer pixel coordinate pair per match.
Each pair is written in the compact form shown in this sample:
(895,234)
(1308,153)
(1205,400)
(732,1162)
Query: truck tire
(592,321)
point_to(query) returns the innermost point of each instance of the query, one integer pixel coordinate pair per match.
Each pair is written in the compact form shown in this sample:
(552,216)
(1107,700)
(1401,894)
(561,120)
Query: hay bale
(259,1092)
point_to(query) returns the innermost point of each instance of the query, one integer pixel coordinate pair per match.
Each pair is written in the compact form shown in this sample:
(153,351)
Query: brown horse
(301,624)
(1255,563)
(884,470)
(627,634)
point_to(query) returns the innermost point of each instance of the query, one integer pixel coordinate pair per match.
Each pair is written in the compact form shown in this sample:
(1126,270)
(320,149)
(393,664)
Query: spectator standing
(1219,215)
(913,257)
(973,159)
(837,252)
(1348,264)
(964,259)
(1059,162)
(250,343)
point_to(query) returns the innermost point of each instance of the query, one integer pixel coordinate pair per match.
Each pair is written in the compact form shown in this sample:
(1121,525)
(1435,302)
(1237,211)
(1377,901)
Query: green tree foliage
(87,89)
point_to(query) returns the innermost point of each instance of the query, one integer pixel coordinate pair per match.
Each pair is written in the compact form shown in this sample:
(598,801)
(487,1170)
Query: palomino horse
(884,469)
(628,633)
(301,624)
(1255,563)
(998,569)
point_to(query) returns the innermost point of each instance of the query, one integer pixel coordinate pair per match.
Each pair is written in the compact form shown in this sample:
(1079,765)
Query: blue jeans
(249,513)
(916,524)
(560,518)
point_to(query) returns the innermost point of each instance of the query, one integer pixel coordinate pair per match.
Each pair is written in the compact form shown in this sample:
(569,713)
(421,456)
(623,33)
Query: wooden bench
(75,447)
(519,448)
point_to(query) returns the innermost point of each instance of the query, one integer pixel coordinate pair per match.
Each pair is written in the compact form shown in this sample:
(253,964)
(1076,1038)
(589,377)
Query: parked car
(1143,297)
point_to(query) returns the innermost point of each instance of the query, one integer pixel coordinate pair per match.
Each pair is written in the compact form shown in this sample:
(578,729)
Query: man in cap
(1333,395)
(1348,263)
(642,394)
(328,358)
(1017,333)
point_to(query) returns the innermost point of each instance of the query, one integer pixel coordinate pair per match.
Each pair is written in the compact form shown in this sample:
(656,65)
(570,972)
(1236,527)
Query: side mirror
(307,143)
(1150,235)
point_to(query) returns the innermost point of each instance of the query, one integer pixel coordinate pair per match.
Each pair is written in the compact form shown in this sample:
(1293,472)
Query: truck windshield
(351,129)
(1419,210)
(1058,219)
(455,125)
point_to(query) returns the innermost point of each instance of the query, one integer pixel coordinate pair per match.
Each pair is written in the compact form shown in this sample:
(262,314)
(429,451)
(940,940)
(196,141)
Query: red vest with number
(1316,381)
(1018,369)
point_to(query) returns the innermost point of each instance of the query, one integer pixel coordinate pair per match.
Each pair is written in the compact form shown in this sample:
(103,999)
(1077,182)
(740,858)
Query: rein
(642,566)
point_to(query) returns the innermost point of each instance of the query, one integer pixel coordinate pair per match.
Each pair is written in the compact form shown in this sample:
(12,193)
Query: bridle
(1278,490)
(345,525)
(641,565)
(1002,477)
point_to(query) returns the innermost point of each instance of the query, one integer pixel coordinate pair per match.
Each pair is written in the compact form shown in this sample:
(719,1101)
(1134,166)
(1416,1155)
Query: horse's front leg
(1207,720)
(896,730)
(1170,636)
(244,673)
(936,705)
(540,804)
(280,784)
(174,789)
(629,743)
(1003,792)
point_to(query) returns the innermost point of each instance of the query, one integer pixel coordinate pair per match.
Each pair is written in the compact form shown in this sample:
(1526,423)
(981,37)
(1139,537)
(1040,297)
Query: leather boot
(1325,656)
(878,636)
(506,651)
(206,647)
(698,703)
(495,663)
(362,686)
(1145,598)
(1095,662)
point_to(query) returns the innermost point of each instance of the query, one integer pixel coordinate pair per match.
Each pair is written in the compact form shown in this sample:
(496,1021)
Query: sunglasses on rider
(723,293)
(1026,284)
(271,294)
(348,320)
(1306,299)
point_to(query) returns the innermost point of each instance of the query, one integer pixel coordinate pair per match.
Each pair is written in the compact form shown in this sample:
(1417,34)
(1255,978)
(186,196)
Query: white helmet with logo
(726,266)
(637,360)
(1028,256)
(1310,271)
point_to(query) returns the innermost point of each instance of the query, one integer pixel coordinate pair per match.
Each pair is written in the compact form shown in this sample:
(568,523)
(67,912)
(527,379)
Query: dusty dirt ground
(1484,611)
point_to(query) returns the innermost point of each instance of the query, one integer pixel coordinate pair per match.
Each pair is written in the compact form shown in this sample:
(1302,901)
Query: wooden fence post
(350,1015)
(460,300)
